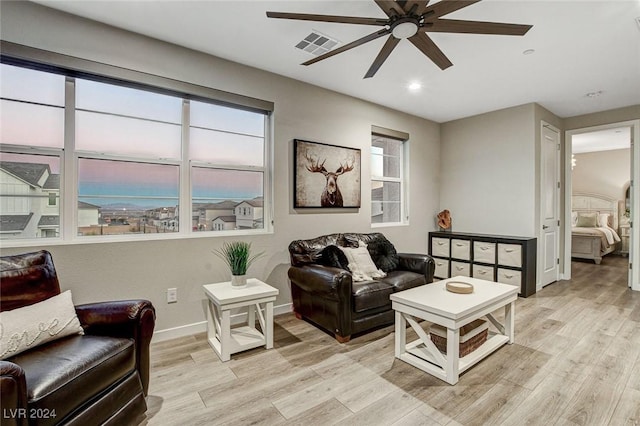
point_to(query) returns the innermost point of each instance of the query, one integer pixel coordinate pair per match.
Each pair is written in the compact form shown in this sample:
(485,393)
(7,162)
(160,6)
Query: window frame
(72,68)
(403,175)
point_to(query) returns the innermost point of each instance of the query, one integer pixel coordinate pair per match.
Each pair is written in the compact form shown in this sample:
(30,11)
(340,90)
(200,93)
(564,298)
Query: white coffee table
(432,302)
(222,299)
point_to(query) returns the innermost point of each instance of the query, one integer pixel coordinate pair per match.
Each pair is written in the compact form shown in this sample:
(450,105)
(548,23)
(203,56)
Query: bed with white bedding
(594,220)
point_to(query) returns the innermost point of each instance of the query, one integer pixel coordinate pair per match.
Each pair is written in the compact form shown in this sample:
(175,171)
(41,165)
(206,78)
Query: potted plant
(237,255)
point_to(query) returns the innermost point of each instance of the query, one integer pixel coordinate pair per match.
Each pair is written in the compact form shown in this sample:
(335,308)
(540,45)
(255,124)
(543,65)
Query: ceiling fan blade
(420,6)
(444,7)
(390,7)
(348,46)
(328,18)
(386,50)
(423,42)
(476,27)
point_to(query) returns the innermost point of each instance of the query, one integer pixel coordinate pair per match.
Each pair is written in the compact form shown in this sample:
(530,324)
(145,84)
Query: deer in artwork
(331,196)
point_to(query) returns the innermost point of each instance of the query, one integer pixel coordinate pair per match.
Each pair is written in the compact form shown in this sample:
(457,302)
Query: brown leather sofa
(324,293)
(101,377)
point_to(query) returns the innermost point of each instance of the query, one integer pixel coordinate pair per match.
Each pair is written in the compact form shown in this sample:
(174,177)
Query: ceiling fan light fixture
(404,29)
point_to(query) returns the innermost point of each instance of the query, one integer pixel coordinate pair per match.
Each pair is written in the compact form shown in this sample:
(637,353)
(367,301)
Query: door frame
(558,212)
(634,244)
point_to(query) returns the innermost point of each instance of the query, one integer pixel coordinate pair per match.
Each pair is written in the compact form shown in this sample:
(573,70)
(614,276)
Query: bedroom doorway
(598,176)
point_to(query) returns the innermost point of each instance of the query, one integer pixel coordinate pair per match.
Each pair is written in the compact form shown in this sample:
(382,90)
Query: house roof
(49,220)
(14,222)
(28,172)
(227,219)
(53,182)
(222,205)
(255,202)
(83,205)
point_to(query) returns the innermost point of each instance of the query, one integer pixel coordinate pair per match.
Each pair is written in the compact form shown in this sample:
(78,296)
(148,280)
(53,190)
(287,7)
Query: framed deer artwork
(326,175)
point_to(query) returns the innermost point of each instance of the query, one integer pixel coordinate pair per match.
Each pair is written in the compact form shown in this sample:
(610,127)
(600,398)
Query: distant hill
(123,206)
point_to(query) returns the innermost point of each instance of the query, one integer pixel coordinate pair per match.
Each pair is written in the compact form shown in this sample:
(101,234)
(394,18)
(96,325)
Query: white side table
(222,299)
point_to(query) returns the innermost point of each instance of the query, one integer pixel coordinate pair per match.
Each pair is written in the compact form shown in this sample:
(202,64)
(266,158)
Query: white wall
(146,269)
(488,175)
(604,172)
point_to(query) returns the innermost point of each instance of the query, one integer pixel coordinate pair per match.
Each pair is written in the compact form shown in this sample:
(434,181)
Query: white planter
(238,281)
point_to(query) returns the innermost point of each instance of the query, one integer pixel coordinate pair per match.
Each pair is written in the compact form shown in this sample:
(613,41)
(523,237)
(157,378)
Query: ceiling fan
(411,20)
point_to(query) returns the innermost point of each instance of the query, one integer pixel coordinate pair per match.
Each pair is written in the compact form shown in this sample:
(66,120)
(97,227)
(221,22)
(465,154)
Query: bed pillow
(587,220)
(25,328)
(360,263)
(603,220)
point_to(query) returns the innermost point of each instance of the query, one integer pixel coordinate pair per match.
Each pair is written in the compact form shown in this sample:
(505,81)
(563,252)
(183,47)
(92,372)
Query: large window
(142,160)
(387,180)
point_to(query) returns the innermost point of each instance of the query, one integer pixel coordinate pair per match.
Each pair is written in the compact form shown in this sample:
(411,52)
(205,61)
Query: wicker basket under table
(472,336)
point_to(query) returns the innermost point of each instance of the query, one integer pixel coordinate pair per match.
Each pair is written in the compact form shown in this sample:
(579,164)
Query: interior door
(549,199)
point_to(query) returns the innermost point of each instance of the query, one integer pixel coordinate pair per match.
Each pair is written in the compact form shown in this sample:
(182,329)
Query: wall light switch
(172,295)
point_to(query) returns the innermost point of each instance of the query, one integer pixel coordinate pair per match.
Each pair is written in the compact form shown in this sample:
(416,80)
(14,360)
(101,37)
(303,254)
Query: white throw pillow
(360,263)
(603,220)
(30,326)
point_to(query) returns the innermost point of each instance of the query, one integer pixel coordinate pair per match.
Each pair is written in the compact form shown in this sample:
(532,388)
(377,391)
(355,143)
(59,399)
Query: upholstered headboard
(595,203)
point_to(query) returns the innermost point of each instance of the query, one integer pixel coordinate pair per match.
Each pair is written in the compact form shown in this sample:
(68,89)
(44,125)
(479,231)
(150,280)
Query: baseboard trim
(201,327)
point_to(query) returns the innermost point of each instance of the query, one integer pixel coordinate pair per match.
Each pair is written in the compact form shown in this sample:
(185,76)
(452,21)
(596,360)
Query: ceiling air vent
(317,43)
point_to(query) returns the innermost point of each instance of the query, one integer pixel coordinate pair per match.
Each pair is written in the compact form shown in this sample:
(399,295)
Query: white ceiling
(601,140)
(581,46)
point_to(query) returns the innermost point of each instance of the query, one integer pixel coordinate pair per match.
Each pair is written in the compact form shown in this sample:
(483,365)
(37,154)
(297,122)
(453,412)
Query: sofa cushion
(404,280)
(332,256)
(360,263)
(66,373)
(382,251)
(303,252)
(27,279)
(384,254)
(25,328)
(370,295)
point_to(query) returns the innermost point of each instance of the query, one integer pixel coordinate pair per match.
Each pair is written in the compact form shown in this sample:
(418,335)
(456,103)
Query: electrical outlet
(172,295)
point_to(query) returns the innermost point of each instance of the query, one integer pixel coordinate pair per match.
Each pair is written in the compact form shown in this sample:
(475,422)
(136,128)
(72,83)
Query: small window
(387,180)
(227,153)
(29,187)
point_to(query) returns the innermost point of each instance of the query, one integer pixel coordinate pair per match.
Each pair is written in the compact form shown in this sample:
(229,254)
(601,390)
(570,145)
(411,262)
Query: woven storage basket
(472,336)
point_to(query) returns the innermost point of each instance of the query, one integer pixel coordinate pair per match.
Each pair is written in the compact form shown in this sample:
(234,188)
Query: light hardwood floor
(576,361)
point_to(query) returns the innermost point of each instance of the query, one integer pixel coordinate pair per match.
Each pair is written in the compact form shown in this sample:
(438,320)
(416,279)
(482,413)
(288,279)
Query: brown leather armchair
(323,290)
(101,377)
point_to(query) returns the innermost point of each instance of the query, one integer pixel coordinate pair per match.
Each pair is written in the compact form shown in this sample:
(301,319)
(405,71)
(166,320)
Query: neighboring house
(223,223)
(29,206)
(207,212)
(88,214)
(30,202)
(249,214)
(163,217)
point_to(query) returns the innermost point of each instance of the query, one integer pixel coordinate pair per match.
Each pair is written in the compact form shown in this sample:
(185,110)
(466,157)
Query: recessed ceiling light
(529,52)
(594,94)
(414,86)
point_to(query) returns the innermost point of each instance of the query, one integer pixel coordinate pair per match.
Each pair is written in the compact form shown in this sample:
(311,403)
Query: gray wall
(488,172)
(147,268)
